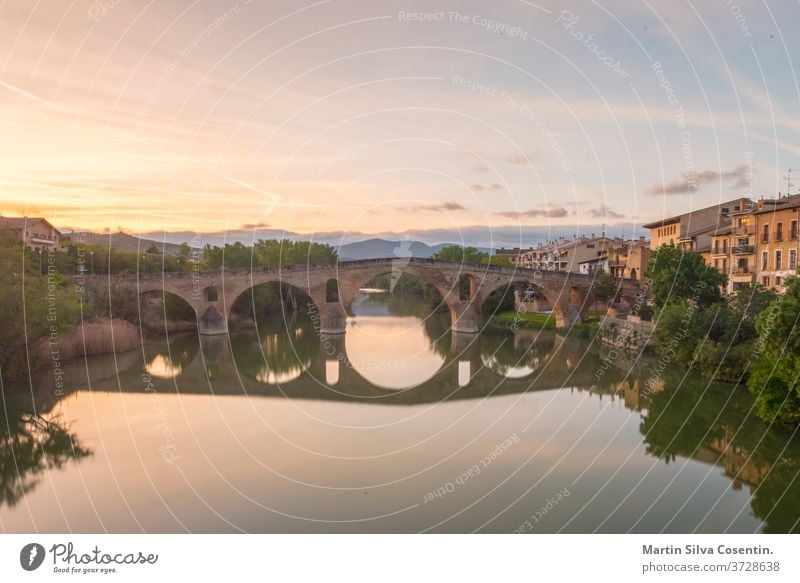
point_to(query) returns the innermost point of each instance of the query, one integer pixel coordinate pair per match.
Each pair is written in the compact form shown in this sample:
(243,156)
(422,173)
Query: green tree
(715,341)
(677,275)
(500,260)
(774,378)
(31,307)
(604,287)
(458,254)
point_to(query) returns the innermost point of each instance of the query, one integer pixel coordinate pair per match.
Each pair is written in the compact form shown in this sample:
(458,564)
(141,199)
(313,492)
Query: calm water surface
(396,426)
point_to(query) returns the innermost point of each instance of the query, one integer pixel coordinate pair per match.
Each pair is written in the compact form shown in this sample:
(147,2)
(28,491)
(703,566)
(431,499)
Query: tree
(500,260)
(775,375)
(31,307)
(604,287)
(715,341)
(458,254)
(677,275)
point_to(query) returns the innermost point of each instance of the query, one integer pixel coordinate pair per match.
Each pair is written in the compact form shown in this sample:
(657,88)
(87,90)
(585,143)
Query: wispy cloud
(604,211)
(254,226)
(552,212)
(690,182)
(522,159)
(447,206)
(484,187)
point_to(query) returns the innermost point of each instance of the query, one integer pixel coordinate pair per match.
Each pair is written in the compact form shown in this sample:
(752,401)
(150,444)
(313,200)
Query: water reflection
(166,360)
(299,440)
(390,345)
(516,355)
(278,351)
(714,425)
(30,445)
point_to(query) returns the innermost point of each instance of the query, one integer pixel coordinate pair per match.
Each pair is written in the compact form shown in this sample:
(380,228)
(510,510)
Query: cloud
(522,159)
(604,211)
(252,226)
(447,206)
(552,212)
(484,187)
(691,182)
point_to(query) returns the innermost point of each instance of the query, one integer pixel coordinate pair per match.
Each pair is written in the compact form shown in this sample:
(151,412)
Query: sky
(465,121)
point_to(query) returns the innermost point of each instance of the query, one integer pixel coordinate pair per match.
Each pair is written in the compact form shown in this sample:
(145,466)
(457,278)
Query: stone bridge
(332,288)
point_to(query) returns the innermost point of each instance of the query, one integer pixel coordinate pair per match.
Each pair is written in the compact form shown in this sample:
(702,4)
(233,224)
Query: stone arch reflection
(398,333)
(516,356)
(276,352)
(168,359)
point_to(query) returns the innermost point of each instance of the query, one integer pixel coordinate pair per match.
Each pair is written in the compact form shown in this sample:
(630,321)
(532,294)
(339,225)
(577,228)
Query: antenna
(789,182)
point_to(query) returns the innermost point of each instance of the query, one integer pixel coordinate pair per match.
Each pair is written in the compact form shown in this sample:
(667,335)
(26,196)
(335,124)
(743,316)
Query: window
(793,229)
(777,280)
(765,236)
(793,259)
(716,264)
(724,245)
(779,232)
(778,258)
(765,281)
(764,260)
(716,246)
(724,266)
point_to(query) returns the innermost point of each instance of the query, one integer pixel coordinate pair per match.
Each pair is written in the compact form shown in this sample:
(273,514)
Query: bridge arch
(269,294)
(566,299)
(446,287)
(166,311)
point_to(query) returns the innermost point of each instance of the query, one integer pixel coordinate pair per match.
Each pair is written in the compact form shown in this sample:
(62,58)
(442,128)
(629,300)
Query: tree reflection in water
(716,424)
(516,355)
(278,351)
(29,445)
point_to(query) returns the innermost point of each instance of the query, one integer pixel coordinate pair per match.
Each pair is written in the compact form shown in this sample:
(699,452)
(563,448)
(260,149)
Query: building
(775,227)
(750,242)
(632,263)
(517,256)
(693,231)
(597,264)
(35,232)
(568,254)
(719,252)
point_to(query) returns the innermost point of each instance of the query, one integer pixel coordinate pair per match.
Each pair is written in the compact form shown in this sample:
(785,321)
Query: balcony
(778,236)
(43,240)
(741,270)
(743,249)
(744,230)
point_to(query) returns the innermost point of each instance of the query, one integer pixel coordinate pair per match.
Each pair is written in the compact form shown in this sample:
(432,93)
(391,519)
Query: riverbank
(101,336)
(541,321)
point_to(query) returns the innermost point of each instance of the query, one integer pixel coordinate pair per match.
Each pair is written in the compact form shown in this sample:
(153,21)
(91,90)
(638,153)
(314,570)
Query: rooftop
(17,223)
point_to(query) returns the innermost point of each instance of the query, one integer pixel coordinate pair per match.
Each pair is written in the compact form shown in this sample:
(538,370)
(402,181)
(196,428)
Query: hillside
(126,242)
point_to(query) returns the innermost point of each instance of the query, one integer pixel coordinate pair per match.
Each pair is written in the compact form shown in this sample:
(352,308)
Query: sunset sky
(369,117)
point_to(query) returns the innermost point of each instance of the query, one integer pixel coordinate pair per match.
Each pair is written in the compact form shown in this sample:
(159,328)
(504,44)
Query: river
(397,426)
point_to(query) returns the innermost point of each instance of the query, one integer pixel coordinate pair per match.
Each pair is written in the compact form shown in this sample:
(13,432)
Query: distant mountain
(125,242)
(379,248)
